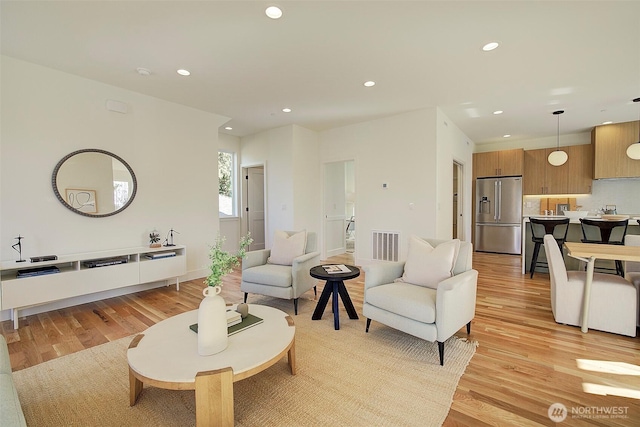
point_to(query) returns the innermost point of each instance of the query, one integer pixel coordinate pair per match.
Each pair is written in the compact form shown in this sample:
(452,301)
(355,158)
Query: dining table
(588,253)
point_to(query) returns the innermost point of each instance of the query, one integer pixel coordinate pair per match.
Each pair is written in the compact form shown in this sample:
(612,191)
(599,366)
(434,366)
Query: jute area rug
(345,377)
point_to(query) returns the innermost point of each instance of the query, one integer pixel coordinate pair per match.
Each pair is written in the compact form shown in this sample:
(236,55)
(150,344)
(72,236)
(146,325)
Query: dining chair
(614,301)
(541,227)
(607,232)
(632,269)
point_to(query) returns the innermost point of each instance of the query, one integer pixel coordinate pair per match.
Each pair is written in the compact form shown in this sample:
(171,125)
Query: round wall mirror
(94,183)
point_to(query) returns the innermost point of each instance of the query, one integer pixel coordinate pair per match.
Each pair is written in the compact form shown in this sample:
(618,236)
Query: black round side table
(334,286)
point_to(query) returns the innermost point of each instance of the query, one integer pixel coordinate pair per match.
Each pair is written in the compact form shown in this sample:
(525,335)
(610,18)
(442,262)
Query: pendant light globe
(633,151)
(558,157)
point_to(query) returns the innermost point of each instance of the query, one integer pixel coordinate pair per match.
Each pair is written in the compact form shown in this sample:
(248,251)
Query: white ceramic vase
(212,322)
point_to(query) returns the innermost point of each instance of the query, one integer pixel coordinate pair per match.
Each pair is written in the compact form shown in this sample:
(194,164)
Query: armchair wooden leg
(468,328)
(368,324)
(315,290)
(295,306)
(441,351)
(245,297)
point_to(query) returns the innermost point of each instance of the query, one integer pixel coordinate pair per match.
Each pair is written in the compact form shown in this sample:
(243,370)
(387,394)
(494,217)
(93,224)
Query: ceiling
(582,57)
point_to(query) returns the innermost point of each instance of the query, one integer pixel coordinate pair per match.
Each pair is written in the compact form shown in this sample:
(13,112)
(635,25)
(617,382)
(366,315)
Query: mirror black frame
(93,150)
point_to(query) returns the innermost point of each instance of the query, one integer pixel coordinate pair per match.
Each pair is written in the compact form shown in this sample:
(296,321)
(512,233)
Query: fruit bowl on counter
(576,214)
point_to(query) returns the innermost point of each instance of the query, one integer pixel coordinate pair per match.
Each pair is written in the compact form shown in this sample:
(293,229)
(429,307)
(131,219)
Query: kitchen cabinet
(574,177)
(498,163)
(580,163)
(610,144)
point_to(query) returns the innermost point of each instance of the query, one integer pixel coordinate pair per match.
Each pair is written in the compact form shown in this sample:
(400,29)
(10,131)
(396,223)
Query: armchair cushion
(428,266)
(287,247)
(269,274)
(405,299)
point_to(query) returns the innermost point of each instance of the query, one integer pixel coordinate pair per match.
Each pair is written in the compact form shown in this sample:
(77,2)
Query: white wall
(534,144)
(172,149)
(404,152)
(292,176)
(453,144)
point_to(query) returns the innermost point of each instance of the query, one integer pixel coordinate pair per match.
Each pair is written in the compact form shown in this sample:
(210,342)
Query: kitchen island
(573,235)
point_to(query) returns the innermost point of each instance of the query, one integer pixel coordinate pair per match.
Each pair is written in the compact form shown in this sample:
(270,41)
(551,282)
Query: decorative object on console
(633,151)
(154,239)
(558,157)
(212,317)
(169,240)
(44,258)
(18,247)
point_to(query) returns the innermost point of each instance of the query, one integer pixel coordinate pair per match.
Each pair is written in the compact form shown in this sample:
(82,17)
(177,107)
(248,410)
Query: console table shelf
(76,278)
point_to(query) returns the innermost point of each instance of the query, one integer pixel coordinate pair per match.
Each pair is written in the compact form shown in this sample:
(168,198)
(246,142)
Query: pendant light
(633,151)
(558,157)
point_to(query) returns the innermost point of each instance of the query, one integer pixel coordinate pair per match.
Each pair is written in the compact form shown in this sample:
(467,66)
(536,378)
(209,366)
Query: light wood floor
(524,363)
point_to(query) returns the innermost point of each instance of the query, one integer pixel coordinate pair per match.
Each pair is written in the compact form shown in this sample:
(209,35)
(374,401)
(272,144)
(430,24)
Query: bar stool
(557,227)
(606,232)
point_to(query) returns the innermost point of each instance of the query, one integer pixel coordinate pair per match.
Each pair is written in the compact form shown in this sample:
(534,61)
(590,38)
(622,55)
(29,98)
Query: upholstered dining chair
(632,269)
(614,301)
(283,270)
(430,296)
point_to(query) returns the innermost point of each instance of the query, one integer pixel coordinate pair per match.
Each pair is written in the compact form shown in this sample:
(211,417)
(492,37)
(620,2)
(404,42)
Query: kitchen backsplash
(624,193)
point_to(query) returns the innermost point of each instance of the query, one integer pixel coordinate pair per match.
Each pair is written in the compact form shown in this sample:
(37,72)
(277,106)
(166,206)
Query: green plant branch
(223,262)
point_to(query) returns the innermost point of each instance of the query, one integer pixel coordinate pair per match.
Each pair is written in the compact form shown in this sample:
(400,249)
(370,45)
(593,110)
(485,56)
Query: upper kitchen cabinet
(499,163)
(610,144)
(574,177)
(580,163)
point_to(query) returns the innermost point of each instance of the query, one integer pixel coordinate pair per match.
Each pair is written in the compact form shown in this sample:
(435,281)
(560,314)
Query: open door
(339,208)
(458,218)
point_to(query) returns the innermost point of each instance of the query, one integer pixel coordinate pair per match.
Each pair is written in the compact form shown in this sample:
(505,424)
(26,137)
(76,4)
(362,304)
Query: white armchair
(614,301)
(280,281)
(430,314)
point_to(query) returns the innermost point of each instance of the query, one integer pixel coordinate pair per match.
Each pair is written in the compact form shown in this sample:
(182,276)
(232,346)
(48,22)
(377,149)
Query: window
(226,184)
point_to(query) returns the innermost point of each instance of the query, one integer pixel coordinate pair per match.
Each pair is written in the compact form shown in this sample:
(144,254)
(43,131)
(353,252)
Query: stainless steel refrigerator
(499,215)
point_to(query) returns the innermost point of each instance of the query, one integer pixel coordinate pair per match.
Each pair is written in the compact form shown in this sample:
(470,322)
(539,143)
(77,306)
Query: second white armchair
(432,308)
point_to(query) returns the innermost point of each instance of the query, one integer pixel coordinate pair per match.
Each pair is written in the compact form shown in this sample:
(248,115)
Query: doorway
(458,218)
(339,208)
(253,201)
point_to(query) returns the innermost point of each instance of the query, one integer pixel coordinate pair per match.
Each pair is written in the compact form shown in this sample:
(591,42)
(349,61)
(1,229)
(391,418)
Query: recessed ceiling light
(143,71)
(606,123)
(506,135)
(490,46)
(286,110)
(228,128)
(498,112)
(273,12)
(369,83)
(183,72)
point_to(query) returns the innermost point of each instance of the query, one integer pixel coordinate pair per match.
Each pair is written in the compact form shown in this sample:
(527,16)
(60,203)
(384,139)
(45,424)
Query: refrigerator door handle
(499,209)
(497,203)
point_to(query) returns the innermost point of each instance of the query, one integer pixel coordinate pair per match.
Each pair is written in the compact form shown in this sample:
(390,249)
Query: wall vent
(385,245)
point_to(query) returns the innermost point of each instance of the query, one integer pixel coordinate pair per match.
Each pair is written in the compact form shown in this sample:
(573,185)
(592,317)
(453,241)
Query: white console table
(76,279)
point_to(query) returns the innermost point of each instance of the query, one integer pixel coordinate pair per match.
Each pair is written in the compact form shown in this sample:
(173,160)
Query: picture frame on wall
(83,200)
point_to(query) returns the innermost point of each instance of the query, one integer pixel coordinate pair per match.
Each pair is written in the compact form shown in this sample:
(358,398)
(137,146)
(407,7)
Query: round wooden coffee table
(166,356)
